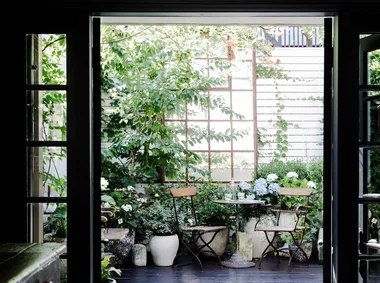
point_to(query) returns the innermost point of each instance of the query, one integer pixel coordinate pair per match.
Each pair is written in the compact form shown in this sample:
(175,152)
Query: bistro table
(237,260)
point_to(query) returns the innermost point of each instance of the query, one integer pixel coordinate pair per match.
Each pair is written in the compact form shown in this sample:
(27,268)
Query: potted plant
(158,221)
(213,214)
(306,244)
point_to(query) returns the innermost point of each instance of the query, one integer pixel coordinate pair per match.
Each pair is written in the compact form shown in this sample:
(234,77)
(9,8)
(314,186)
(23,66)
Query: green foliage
(150,74)
(209,212)
(306,171)
(374,155)
(58,220)
(158,219)
(108,270)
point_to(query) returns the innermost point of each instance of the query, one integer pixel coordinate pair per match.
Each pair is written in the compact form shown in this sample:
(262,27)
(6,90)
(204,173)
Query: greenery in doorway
(374,169)
(149,72)
(108,271)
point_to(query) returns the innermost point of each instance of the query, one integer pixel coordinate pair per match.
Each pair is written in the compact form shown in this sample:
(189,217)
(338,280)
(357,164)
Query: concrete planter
(258,237)
(219,243)
(164,249)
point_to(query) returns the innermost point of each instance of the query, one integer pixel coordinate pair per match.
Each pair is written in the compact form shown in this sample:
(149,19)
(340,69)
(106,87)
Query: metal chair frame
(301,212)
(196,230)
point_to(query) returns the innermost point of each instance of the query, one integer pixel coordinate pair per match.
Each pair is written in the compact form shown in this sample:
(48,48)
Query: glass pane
(369,171)
(220,109)
(218,70)
(244,135)
(197,112)
(46,59)
(221,166)
(243,166)
(242,75)
(221,135)
(202,165)
(371,268)
(48,221)
(371,115)
(46,115)
(47,175)
(242,103)
(198,135)
(374,67)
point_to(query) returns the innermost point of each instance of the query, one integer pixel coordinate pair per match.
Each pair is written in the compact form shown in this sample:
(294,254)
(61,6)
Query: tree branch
(125,38)
(51,43)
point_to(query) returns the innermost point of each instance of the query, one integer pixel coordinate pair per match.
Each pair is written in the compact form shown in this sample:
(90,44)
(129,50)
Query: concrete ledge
(25,262)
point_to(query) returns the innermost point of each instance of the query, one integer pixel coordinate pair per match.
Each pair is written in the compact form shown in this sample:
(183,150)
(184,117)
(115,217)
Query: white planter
(258,237)
(219,243)
(164,249)
(287,218)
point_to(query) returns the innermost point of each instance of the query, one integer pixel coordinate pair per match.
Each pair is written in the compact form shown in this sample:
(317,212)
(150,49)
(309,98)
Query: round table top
(240,201)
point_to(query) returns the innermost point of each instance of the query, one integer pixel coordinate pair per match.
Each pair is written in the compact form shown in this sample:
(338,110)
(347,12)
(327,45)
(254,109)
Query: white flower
(142,200)
(292,175)
(103,182)
(272,177)
(190,221)
(311,184)
(130,188)
(106,204)
(127,207)
(156,195)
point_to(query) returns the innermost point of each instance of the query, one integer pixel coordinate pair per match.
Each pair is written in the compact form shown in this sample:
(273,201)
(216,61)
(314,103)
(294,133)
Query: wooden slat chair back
(300,210)
(197,230)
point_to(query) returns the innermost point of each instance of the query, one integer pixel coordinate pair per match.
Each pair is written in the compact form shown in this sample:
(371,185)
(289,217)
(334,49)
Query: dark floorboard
(270,272)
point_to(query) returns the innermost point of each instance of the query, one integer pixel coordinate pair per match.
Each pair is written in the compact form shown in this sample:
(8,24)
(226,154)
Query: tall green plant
(149,74)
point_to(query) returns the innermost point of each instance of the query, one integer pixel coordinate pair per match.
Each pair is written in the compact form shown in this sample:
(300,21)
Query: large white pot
(287,218)
(258,237)
(164,249)
(219,243)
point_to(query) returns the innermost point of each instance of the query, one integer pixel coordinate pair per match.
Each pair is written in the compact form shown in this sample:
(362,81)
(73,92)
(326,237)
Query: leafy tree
(150,73)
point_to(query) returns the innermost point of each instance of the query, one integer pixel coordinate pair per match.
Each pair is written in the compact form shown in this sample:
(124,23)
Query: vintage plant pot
(258,237)
(164,249)
(219,243)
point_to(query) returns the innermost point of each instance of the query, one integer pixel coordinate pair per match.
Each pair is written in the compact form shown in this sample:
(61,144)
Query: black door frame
(344,137)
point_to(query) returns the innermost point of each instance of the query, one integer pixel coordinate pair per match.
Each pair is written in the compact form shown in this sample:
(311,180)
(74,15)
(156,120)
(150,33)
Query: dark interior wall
(203,6)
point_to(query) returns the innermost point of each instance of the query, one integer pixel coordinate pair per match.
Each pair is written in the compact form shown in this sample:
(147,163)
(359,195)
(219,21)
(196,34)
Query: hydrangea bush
(126,202)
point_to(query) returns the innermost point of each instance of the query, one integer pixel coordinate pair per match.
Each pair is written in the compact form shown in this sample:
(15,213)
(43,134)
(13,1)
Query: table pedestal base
(237,261)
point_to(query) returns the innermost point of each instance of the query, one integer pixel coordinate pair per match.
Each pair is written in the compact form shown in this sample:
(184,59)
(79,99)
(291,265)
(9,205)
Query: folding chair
(196,230)
(299,227)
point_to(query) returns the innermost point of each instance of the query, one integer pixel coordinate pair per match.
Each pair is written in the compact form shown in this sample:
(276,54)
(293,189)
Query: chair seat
(279,228)
(203,228)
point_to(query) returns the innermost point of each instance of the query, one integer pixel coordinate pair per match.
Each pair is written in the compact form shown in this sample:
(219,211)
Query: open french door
(58,132)
(356,147)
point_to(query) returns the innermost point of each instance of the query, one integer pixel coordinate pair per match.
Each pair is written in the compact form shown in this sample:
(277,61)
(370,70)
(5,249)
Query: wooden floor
(270,272)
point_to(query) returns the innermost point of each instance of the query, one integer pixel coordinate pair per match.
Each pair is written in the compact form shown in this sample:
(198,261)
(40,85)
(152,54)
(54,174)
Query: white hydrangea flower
(127,207)
(292,175)
(272,177)
(103,182)
(156,195)
(311,184)
(142,200)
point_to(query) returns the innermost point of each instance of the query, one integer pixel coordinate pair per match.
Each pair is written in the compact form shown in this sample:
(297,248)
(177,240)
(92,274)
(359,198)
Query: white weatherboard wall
(303,100)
